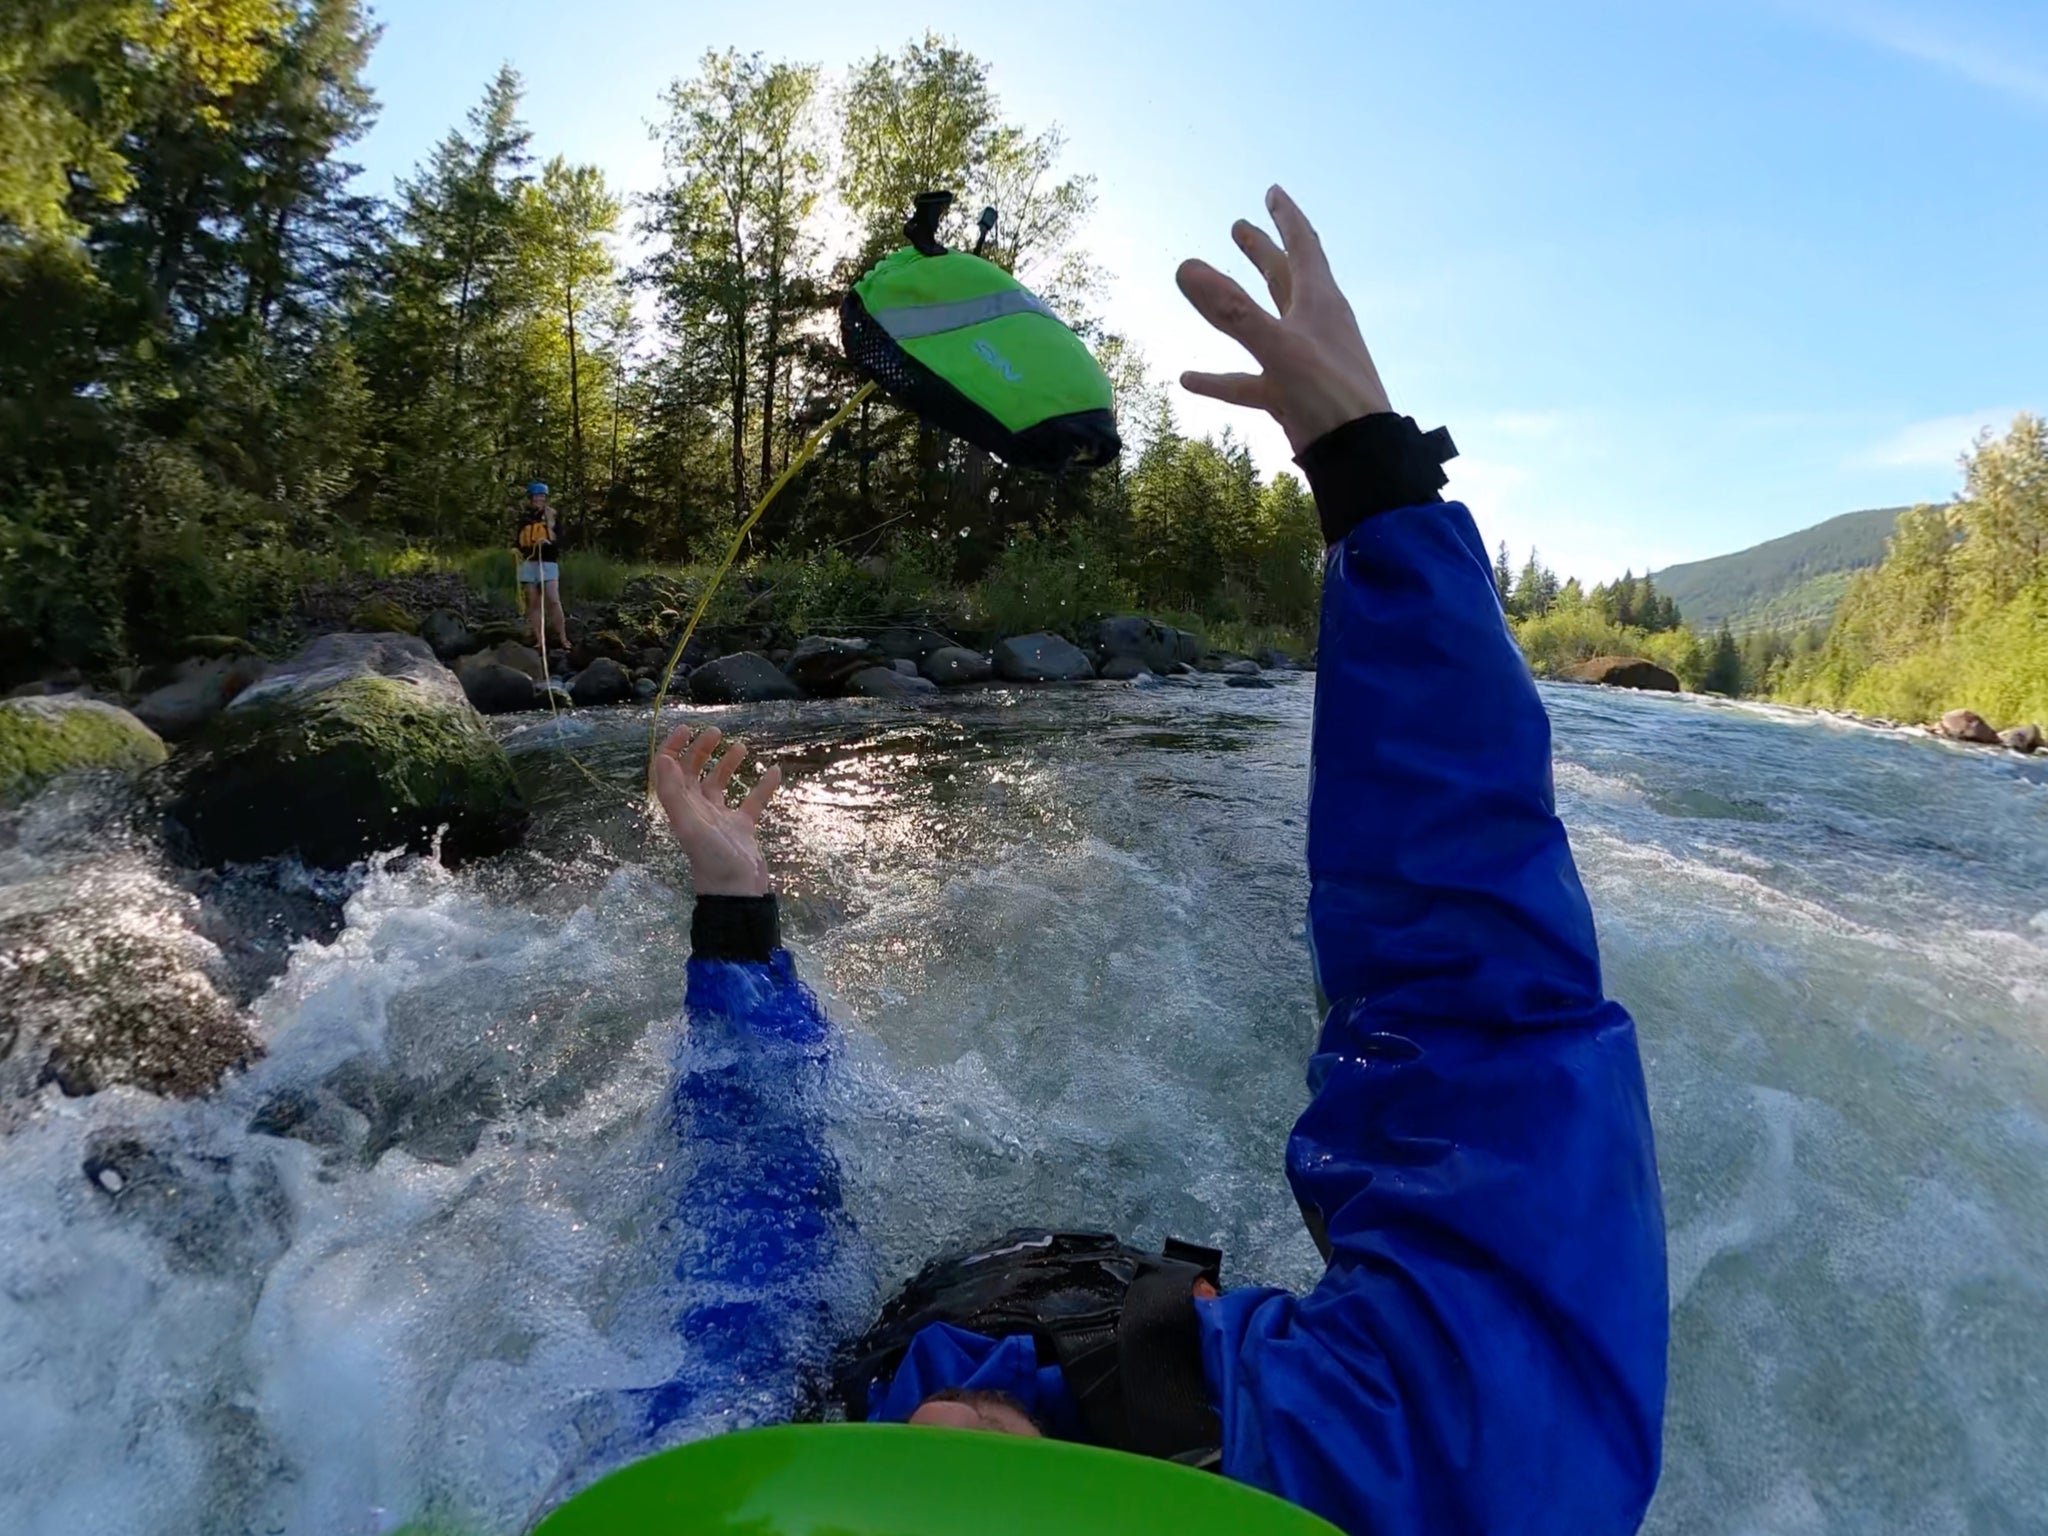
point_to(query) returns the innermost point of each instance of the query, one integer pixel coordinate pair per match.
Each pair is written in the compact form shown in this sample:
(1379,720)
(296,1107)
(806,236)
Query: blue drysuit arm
(1485,1352)
(757,1215)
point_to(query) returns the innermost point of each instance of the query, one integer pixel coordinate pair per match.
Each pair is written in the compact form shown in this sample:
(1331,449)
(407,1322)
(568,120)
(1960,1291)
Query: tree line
(1956,615)
(227,369)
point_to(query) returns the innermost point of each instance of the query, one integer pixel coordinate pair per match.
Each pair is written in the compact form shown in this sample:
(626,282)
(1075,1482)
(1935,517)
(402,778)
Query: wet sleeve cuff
(740,928)
(1372,465)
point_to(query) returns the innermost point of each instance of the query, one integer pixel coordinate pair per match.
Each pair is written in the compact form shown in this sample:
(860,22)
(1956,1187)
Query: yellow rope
(797,462)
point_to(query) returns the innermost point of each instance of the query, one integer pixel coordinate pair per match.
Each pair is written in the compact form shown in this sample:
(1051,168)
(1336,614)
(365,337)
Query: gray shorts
(533,572)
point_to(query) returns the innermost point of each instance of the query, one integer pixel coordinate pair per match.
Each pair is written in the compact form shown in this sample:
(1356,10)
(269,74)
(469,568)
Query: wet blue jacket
(1485,1352)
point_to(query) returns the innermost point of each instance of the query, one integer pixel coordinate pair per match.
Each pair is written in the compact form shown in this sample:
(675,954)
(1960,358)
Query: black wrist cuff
(1373,465)
(735,928)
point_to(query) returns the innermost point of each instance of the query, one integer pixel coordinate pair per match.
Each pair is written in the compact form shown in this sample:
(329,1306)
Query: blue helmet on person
(536,488)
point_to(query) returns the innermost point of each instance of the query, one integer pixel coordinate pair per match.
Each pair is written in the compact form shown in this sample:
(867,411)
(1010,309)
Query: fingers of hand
(677,740)
(1304,246)
(1271,261)
(700,751)
(728,765)
(1247,389)
(1224,304)
(762,792)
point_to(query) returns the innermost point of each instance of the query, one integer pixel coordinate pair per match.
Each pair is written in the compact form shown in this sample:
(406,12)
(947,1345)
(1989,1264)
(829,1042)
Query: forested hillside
(229,369)
(1781,583)
(1956,616)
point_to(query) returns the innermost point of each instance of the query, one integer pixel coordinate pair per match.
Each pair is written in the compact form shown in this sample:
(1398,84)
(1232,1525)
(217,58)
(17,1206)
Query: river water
(372,1278)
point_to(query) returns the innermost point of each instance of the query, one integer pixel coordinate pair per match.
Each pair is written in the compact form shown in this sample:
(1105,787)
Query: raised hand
(719,839)
(1318,374)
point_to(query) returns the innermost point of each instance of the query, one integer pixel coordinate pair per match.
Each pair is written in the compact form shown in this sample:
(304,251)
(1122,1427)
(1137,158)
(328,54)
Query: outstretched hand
(1318,374)
(718,838)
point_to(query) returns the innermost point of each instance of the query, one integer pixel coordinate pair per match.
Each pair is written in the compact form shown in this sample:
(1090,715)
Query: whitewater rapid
(381,1275)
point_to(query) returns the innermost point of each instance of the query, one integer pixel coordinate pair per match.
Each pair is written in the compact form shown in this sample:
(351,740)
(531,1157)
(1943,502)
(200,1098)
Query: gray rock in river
(496,689)
(951,665)
(1123,669)
(604,681)
(109,985)
(1040,658)
(1967,725)
(1247,680)
(1155,646)
(888,683)
(2021,738)
(200,688)
(1244,666)
(822,664)
(746,677)
(1187,647)
(42,739)
(358,744)
(1623,672)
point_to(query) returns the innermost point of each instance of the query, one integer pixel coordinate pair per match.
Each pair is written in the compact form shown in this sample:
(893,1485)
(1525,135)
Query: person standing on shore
(540,571)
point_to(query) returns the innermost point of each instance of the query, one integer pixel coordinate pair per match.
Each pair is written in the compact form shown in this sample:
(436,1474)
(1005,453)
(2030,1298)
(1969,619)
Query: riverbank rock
(2021,738)
(888,683)
(1272,659)
(1623,672)
(822,665)
(746,677)
(1154,646)
(358,744)
(1967,725)
(910,643)
(1124,669)
(496,689)
(42,739)
(604,681)
(447,634)
(1187,647)
(1247,680)
(1242,666)
(200,688)
(1040,658)
(954,665)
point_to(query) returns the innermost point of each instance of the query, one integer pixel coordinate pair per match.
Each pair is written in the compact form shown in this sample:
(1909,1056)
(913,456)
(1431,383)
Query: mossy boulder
(358,745)
(383,616)
(43,738)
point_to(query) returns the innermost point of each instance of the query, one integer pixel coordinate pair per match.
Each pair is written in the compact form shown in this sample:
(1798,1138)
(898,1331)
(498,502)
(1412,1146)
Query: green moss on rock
(41,738)
(382,616)
(366,765)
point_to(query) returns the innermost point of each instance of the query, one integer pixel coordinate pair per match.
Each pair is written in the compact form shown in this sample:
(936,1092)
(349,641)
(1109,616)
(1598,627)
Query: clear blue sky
(1679,276)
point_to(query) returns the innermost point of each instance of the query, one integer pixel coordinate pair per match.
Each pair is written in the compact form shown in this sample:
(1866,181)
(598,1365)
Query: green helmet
(972,350)
(889,1480)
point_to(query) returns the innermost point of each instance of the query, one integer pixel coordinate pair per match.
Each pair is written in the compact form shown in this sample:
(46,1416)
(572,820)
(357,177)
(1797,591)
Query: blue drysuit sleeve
(1485,1352)
(757,1216)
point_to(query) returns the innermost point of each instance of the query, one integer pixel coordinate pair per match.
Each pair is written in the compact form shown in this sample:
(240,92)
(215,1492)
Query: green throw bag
(973,351)
(890,1480)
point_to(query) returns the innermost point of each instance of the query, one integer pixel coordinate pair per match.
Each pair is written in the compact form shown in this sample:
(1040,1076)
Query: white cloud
(1937,443)
(1994,63)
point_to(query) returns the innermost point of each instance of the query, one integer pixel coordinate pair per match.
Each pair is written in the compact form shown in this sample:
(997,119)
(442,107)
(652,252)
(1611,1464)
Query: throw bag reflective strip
(912,320)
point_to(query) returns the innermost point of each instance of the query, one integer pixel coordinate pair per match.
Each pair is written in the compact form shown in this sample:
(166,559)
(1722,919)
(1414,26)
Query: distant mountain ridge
(1783,582)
